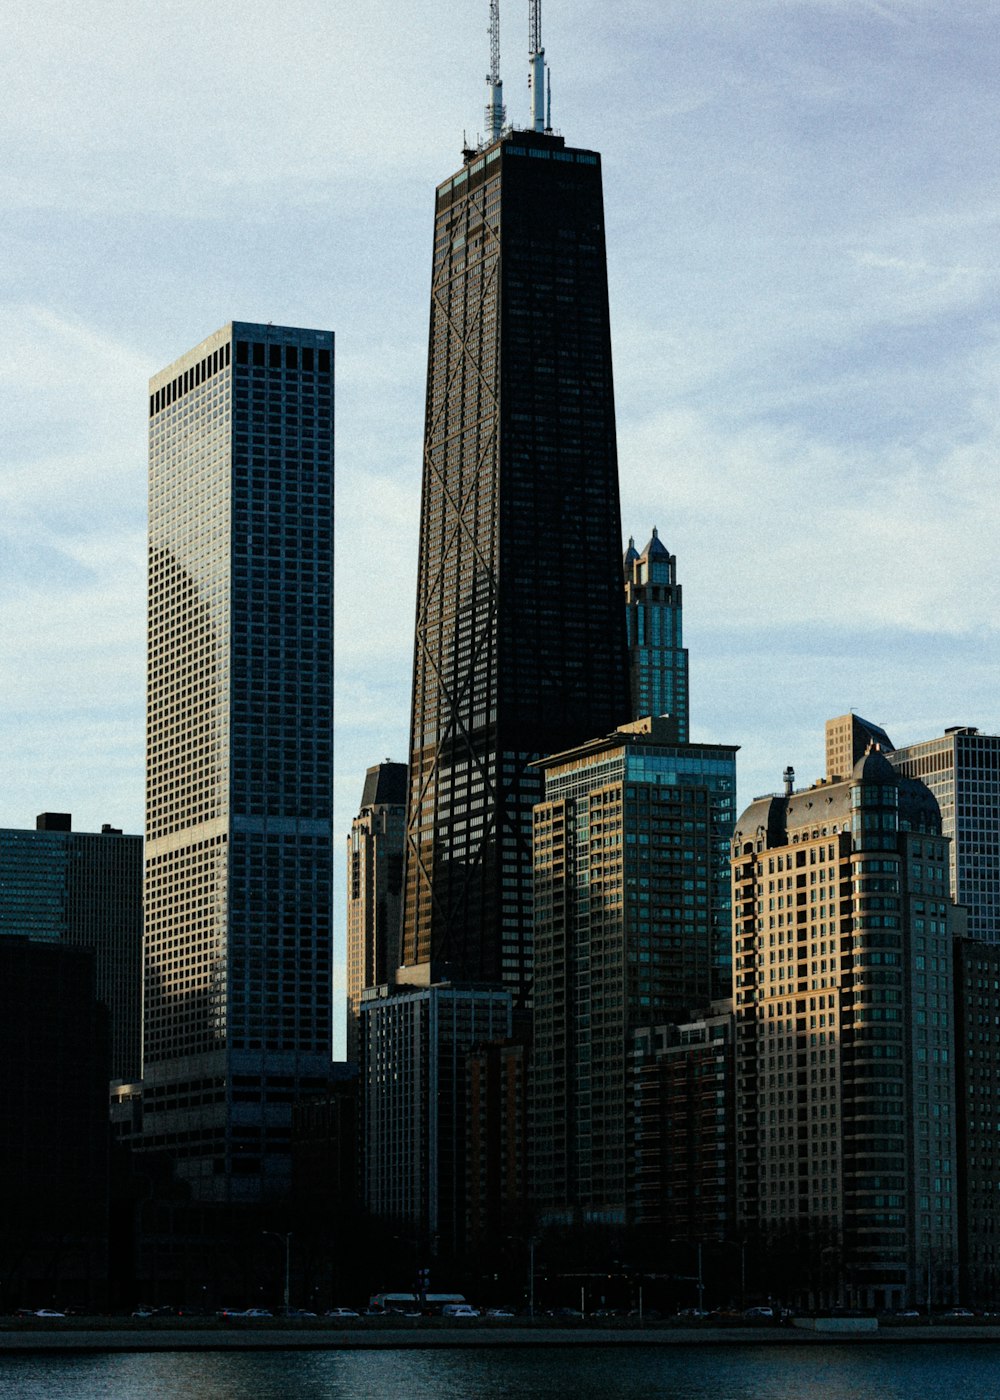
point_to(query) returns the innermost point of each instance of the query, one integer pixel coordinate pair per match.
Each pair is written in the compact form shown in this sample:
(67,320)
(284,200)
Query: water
(856,1372)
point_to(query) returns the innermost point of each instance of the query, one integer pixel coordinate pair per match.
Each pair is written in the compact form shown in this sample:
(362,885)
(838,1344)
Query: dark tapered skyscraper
(520,633)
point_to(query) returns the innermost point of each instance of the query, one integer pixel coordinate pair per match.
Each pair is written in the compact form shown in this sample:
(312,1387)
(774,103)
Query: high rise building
(682,1176)
(632,927)
(962,770)
(496,1143)
(239,848)
(83,889)
(520,635)
(847,740)
(374,888)
(977,1073)
(416,1043)
(845,1077)
(658,660)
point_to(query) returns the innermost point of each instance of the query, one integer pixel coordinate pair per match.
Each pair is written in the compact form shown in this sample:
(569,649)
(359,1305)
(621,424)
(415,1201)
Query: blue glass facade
(658,660)
(83,889)
(632,928)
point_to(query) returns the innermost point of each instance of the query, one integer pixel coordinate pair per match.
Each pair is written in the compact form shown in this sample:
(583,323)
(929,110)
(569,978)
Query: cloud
(810,523)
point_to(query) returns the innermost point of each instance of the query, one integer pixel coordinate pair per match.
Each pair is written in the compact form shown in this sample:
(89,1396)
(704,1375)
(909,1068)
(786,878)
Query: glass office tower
(83,888)
(239,753)
(633,919)
(520,631)
(962,770)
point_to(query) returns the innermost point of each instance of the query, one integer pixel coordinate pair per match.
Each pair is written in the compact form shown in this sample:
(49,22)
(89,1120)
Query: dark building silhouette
(682,1099)
(83,889)
(496,1142)
(977,1074)
(520,632)
(53,1126)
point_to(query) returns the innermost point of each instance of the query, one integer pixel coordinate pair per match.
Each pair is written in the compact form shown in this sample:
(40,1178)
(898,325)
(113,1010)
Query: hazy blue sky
(803,209)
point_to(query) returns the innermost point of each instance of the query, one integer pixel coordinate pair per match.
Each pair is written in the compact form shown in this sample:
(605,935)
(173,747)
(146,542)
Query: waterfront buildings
(845,1087)
(83,889)
(520,635)
(682,1179)
(977,1061)
(239,753)
(658,660)
(962,769)
(632,926)
(415,1044)
(374,887)
(496,1143)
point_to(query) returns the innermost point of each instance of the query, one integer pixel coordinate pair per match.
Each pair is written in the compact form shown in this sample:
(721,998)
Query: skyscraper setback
(520,634)
(239,752)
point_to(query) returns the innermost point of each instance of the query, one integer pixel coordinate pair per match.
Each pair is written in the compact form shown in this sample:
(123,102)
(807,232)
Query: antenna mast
(536,66)
(495,112)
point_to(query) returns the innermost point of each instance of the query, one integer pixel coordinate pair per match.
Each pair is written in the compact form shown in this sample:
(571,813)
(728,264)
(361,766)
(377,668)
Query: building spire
(536,68)
(495,111)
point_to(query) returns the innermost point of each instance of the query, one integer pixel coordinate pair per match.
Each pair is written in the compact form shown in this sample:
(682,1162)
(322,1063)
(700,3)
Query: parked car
(499,1312)
(759,1312)
(459,1310)
(48,1312)
(341,1312)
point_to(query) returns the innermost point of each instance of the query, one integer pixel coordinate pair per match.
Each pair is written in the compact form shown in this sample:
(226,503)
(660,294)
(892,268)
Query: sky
(802,223)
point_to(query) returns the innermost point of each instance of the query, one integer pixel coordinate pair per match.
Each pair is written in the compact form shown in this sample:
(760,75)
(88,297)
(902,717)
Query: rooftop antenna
(548,99)
(495,112)
(536,66)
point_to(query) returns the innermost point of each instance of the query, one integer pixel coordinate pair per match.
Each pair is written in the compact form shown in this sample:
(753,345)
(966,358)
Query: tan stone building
(845,1089)
(374,889)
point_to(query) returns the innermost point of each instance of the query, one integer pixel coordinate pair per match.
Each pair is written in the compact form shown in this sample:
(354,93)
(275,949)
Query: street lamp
(287,1238)
(531,1275)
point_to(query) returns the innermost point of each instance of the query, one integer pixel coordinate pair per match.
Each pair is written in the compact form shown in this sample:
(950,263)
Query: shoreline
(210,1336)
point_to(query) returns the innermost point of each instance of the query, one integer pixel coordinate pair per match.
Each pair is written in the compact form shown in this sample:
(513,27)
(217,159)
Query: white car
(459,1310)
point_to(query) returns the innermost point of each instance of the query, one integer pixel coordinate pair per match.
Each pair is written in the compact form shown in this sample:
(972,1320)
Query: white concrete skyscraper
(239,753)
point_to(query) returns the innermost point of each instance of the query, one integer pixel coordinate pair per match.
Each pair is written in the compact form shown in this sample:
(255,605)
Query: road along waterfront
(99,1335)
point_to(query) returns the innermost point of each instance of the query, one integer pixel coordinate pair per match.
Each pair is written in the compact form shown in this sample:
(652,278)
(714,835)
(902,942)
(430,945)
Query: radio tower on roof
(536,66)
(495,111)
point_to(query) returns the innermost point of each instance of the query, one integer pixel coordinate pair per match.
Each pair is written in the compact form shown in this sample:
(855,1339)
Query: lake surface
(939,1371)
